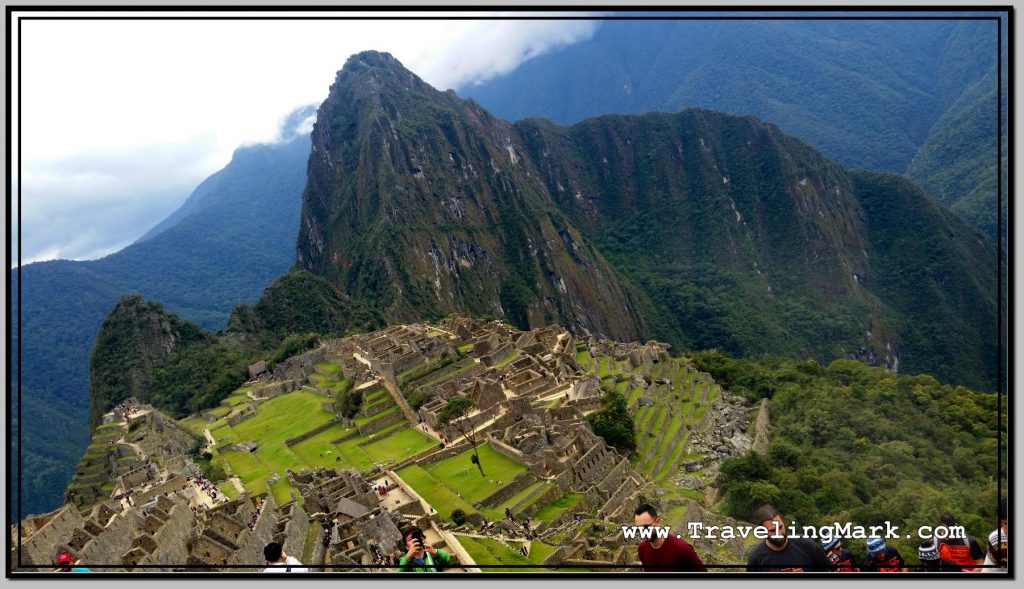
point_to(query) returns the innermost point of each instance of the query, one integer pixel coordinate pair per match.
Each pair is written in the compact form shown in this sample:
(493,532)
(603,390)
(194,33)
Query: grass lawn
(248,468)
(228,490)
(583,357)
(194,424)
(282,491)
(620,387)
(236,399)
(328,368)
(363,420)
(374,396)
(220,410)
(512,501)
(434,491)
(552,510)
(396,447)
(602,367)
(310,450)
(486,551)
(278,419)
(459,473)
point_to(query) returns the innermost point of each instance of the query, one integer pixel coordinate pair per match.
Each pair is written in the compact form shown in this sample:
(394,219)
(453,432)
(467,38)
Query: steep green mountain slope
(718,231)
(871,94)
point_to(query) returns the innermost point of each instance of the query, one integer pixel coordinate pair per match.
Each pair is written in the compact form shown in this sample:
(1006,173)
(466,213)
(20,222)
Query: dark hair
(1002,508)
(765,513)
(947,519)
(408,531)
(272,552)
(646,508)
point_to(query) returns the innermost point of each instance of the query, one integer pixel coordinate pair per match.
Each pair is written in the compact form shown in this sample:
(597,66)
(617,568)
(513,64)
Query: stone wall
(172,538)
(248,413)
(43,546)
(296,529)
(520,482)
(616,501)
(614,478)
(379,424)
(172,486)
(250,545)
(316,430)
(511,453)
(115,540)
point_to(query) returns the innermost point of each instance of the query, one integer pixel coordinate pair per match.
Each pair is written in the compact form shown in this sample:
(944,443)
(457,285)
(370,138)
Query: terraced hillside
(679,427)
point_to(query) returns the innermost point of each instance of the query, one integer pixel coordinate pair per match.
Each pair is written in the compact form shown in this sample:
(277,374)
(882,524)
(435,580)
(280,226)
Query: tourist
(963,551)
(778,553)
(883,558)
(65,560)
(668,554)
(279,562)
(421,557)
(995,556)
(839,557)
(928,555)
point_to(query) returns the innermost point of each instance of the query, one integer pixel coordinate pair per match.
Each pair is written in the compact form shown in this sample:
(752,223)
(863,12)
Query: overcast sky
(122,119)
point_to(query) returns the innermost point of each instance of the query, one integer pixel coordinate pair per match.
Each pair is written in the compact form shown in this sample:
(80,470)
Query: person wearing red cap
(64,562)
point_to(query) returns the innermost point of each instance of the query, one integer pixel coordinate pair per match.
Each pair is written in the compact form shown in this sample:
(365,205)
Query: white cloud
(121,119)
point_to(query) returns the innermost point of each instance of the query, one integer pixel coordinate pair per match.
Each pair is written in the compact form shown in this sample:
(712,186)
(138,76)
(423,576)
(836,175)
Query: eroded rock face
(427,204)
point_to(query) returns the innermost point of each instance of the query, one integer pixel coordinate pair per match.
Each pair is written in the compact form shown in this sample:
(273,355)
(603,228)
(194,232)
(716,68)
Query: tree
(459,517)
(456,413)
(614,423)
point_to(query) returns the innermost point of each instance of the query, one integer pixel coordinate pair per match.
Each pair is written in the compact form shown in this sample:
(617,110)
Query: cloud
(122,119)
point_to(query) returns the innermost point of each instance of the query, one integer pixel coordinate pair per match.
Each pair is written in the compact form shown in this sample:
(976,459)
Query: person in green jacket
(421,556)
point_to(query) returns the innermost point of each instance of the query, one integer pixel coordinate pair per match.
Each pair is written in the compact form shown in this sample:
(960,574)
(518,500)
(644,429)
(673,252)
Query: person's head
(646,516)
(831,544)
(413,539)
(928,554)
(947,520)
(273,552)
(876,546)
(65,560)
(768,517)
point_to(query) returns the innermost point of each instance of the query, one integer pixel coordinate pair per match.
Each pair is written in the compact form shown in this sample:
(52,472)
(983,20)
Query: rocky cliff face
(135,338)
(425,204)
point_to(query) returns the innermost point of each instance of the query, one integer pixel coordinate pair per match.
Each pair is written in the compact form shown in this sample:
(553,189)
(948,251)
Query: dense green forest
(854,443)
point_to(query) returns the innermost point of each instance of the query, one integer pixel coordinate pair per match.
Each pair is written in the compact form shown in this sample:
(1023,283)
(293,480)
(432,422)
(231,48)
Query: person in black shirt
(839,557)
(882,558)
(928,554)
(777,553)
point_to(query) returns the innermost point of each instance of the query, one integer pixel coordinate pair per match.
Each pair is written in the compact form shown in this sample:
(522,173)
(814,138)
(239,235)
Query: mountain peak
(377,71)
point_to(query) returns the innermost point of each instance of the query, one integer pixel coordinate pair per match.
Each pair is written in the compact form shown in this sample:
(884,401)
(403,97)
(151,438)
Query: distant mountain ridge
(907,96)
